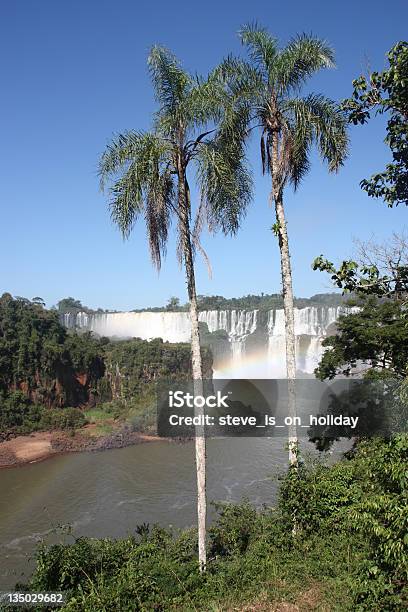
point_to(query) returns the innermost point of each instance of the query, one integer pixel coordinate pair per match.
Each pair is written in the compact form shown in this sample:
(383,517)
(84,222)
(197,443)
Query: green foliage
(232,532)
(382,516)
(65,418)
(368,496)
(42,366)
(31,338)
(19,416)
(70,304)
(375,337)
(365,279)
(264,302)
(173,304)
(386,92)
(130,364)
(85,354)
(44,369)
(314,495)
(73,306)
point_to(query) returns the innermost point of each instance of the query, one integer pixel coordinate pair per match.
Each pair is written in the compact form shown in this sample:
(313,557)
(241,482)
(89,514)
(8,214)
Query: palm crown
(147,171)
(267,95)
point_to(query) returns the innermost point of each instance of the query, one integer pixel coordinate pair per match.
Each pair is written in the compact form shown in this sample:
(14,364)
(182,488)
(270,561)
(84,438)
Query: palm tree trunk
(277,173)
(200,450)
(288,307)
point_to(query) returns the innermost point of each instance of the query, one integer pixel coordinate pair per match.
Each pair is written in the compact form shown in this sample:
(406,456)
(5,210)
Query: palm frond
(159,202)
(128,148)
(296,151)
(240,79)
(262,47)
(204,101)
(122,150)
(225,184)
(171,83)
(137,167)
(315,119)
(126,201)
(298,61)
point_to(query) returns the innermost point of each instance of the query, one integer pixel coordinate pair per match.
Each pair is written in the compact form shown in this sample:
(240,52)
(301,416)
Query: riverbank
(337,560)
(39,446)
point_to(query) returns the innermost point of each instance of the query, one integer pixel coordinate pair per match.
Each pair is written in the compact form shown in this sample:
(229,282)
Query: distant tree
(268,97)
(148,175)
(69,304)
(173,304)
(375,337)
(386,92)
(37,354)
(38,300)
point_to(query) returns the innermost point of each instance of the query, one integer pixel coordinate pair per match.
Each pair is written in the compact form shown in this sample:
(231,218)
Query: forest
(51,378)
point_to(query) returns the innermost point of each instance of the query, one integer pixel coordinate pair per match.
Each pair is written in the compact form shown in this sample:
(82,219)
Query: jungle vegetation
(50,377)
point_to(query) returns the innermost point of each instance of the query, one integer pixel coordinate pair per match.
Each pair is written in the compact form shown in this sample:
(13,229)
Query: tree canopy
(386,93)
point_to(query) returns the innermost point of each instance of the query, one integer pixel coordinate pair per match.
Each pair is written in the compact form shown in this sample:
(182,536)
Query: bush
(63,418)
(369,496)
(232,532)
(315,496)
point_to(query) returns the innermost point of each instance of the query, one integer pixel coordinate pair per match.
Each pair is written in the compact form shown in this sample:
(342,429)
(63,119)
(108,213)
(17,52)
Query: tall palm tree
(148,176)
(267,95)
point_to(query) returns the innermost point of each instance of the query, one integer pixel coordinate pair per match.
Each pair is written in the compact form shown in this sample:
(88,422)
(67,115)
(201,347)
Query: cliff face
(37,356)
(65,388)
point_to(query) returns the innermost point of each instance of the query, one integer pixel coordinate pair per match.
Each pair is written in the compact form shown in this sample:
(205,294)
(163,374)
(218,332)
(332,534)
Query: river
(108,493)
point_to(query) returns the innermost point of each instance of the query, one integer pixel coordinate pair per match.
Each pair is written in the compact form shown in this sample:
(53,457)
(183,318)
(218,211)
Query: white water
(311,326)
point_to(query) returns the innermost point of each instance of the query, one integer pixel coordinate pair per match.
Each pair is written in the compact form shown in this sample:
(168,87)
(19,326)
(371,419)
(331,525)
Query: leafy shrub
(382,516)
(233,530)
(314,495)
(64,418)
(369,496)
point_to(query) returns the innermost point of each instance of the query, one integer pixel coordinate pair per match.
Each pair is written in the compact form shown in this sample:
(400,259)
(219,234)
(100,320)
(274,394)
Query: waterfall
(256,343)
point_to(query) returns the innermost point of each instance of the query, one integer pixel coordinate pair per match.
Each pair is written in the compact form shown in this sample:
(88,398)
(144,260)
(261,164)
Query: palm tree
(267,95)
(148,176)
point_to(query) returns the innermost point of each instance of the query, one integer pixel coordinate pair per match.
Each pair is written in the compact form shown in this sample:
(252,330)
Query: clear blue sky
(73,73)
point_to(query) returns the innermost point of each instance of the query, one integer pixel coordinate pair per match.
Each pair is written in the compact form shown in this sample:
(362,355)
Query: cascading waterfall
(238,324)
(256,341)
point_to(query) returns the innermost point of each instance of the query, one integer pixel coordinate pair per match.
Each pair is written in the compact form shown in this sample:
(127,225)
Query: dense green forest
(50,378)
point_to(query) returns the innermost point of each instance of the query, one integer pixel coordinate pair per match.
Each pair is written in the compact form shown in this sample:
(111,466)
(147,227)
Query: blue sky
(73,73)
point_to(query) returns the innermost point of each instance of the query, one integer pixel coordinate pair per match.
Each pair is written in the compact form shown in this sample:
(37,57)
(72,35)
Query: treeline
(216,302)
(48,373)
(266,301)
(251,301)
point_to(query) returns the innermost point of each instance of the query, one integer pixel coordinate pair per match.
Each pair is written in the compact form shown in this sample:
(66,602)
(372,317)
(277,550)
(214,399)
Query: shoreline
(42,445)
